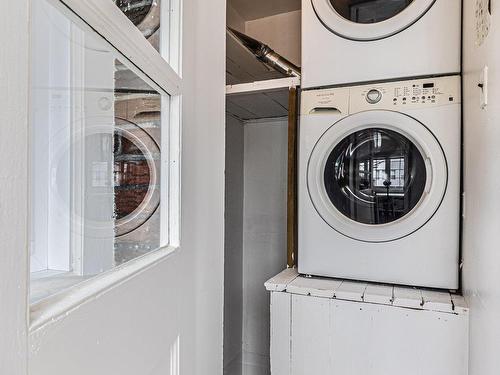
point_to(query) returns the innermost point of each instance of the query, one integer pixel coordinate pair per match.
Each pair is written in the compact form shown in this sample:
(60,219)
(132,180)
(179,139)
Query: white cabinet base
(313,332)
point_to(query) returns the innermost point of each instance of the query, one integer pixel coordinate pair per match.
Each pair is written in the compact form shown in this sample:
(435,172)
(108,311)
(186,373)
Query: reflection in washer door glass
(369,11)
(375,176)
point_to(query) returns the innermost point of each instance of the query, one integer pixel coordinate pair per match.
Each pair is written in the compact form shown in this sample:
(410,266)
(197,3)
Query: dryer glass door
(368,20)
(375,176)
(371,11)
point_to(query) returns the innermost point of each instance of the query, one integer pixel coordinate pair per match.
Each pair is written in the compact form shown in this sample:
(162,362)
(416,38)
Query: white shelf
(254,90)
(257,100)
(263,86)
(290,281)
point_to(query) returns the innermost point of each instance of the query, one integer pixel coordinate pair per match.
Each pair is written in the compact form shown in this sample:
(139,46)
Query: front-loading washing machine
(347,41)
(379,182)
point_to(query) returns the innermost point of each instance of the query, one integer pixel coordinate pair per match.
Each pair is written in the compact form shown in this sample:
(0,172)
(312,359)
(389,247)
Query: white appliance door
(377,176)
(160,313)
(369,20)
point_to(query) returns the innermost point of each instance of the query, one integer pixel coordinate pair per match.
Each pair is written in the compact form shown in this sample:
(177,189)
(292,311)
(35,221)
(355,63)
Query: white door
(96,276)
(377,176)
(369,20)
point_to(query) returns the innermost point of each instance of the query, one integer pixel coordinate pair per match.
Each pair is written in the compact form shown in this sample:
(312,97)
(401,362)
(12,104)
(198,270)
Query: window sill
(52,308)
(45,284)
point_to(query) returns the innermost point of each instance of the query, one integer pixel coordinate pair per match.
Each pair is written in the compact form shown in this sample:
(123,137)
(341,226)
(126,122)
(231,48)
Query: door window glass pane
(95,134)
(375,176)
(369,11)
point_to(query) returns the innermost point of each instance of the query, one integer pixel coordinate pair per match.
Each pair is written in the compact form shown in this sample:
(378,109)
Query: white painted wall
(234,19)
(282,32)
(264,233)
(256,183)
(481,273)
(251,10)
(185,291)
(233,247)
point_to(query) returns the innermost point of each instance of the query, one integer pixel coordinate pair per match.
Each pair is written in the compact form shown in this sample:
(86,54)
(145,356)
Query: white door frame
(104,17)
(14,262)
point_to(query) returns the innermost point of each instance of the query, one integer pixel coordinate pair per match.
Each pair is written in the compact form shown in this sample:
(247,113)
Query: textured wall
(264,233)
(233,247)
(481,273)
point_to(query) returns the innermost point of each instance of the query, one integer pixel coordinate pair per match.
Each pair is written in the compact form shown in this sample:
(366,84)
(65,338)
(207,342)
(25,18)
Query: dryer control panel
(398,96)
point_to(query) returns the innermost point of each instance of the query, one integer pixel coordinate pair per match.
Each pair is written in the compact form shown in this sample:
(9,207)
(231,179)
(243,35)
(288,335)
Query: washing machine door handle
(428,183)
(325,110)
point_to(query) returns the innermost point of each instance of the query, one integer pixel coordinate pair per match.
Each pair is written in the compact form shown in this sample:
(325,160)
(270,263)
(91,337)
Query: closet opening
(262,99)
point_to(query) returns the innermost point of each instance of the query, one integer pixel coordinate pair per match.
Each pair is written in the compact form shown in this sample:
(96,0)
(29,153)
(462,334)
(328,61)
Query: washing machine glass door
(369,19)
(377,176)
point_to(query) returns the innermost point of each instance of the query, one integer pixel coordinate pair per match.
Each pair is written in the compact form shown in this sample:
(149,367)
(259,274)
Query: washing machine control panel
(397,96)
(406,95)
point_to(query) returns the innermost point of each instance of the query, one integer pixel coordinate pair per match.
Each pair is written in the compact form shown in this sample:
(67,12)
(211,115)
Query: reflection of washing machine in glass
(122,190)
(146,15)
(95,157)
(136,179)
(345,41)
(136,175)
(379,182)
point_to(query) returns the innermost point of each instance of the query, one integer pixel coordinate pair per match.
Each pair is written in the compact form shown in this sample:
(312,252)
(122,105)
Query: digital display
(428,85)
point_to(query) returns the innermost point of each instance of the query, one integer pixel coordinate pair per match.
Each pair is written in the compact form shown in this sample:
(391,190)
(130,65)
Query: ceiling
(253,9)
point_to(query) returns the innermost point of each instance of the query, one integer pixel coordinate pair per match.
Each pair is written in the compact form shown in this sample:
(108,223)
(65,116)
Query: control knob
(373,96)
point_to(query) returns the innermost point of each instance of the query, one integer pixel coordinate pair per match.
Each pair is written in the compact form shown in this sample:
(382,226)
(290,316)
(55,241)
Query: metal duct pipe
(266,54)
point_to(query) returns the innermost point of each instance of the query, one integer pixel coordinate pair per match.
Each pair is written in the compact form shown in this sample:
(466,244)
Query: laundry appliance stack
(379,142)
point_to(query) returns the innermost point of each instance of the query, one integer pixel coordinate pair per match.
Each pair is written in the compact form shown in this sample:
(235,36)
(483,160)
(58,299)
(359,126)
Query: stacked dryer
(346,41)
(379,171)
